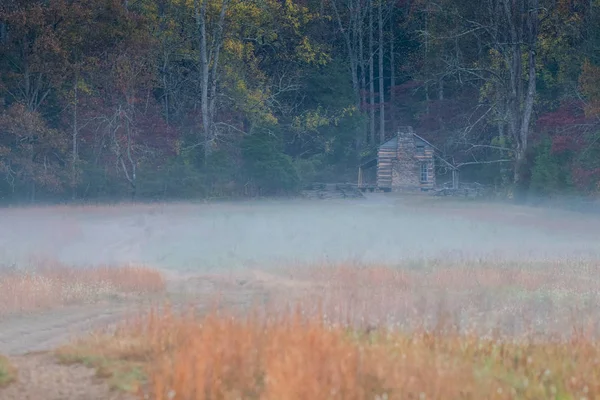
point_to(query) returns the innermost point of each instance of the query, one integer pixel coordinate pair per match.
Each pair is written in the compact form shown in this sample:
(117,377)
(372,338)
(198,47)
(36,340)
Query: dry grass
(310,352)
(51,284)
(546,299)
(121,361)
(8,372)
(297,356)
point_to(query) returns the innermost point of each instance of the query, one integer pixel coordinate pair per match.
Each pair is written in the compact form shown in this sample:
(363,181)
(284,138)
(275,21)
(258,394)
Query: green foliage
(548,175)
(270,170)
(309,169)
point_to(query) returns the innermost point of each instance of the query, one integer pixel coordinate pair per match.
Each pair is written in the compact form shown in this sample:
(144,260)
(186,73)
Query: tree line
(159,99)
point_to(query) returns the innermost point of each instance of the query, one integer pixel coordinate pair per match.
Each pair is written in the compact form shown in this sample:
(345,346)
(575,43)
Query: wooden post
(359,177)
(455,177)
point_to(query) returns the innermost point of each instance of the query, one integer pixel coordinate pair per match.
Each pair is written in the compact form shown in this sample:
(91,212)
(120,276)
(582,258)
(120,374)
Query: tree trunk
(381,81)
(523,24)
(352,33)
(371,76)
(392,72)
(74,134)
(361,60)
(200,12)
(165,87)
(209,67)
(352,54)
(132,178)
(426,70)
(532,27)
(215,51)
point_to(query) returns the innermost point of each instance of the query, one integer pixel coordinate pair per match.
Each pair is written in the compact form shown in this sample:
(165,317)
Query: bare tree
(506,32)
(75,134)
(361,58)
(119,130)
(371,76)
(351,26)
(392,67)
(381,50)
(209,67)
(350,29)
(522,21)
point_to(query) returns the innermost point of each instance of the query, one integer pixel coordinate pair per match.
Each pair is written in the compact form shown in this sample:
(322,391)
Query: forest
(181,99)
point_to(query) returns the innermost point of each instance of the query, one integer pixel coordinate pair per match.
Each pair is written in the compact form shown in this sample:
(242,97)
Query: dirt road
(28,339)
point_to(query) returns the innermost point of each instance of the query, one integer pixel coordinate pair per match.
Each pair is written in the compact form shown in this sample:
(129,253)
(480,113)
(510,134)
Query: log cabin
(404,162)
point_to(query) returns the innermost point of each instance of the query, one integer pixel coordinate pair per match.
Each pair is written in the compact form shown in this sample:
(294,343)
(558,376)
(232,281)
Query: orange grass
(52,284)
(298,356)
(371,333)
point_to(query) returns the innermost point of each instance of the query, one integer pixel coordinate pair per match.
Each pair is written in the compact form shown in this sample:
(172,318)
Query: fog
(219,237)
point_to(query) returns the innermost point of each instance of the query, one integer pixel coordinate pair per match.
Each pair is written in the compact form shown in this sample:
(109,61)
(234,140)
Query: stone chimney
(406,141)
(406,166)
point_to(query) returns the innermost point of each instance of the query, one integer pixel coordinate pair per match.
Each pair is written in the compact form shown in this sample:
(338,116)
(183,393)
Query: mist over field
(432,228)
(229,236)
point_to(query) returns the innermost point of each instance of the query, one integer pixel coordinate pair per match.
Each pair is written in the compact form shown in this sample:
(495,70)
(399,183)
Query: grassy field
(334,332)
(374,299)
(48,284)
(297,357)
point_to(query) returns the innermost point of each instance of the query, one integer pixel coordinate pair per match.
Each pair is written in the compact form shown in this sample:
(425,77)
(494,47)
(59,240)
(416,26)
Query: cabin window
(420,148)
(424,172)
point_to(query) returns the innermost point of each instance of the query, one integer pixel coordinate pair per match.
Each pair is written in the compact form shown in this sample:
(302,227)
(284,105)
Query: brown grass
(8,372)
(548,298)
(302,357)
(338,342)
(51,284)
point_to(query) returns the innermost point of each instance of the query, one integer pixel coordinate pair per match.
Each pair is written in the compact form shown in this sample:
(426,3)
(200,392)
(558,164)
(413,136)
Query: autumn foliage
(111,99)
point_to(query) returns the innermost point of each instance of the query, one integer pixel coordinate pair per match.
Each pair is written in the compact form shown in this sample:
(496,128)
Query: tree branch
(486,146)
(482,162)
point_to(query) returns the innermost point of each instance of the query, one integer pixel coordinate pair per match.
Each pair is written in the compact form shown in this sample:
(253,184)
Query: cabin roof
(426,142)
(392,143)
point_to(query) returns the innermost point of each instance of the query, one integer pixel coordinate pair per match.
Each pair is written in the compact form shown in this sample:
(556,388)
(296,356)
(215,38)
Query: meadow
(46,284)
(364,332)
(376,299)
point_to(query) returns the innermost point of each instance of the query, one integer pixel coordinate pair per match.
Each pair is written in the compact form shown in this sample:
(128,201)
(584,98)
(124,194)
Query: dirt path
(28,339)
(40,377)
(47,330)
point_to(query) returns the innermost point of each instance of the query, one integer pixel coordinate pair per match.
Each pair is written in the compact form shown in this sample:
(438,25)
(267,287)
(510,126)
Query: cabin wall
(399,164)
(385,163)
